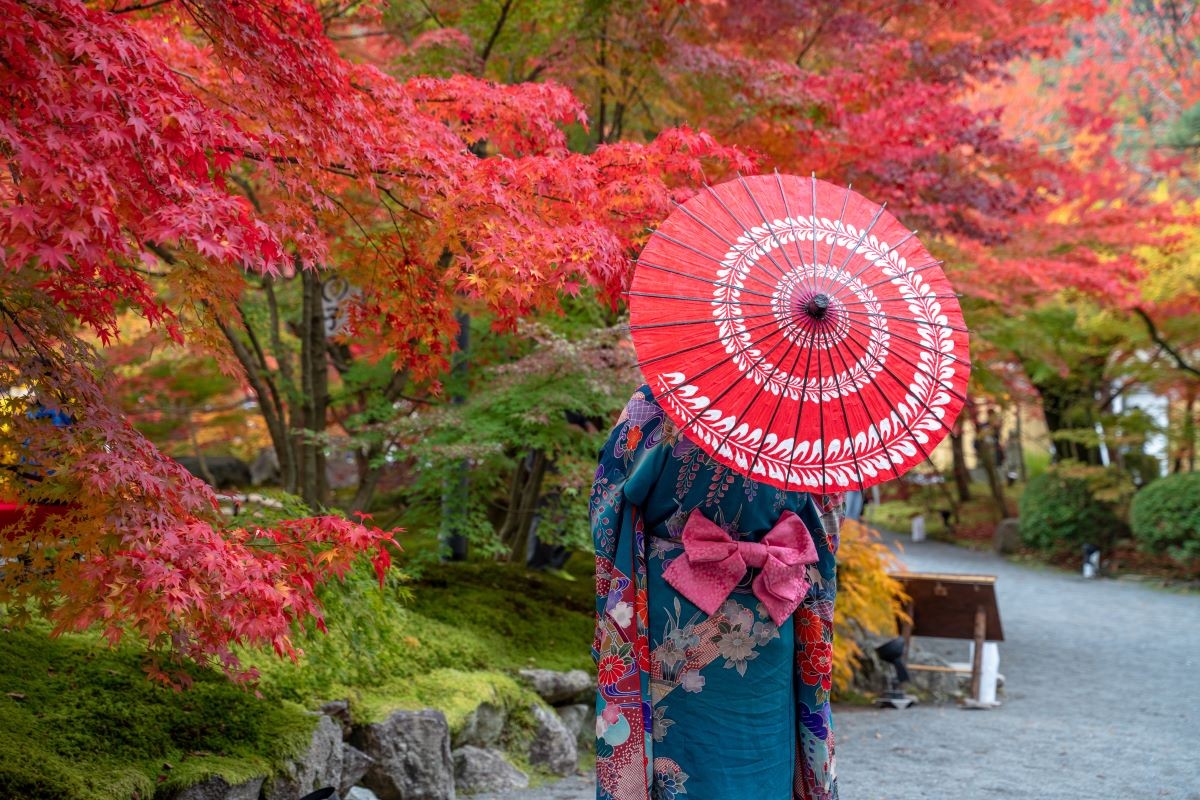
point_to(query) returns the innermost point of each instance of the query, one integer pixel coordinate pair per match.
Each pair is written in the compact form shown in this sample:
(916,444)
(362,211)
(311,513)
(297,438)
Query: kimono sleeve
(629,464)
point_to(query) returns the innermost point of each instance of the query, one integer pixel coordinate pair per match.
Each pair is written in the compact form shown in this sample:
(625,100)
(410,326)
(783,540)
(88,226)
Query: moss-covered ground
(79,721)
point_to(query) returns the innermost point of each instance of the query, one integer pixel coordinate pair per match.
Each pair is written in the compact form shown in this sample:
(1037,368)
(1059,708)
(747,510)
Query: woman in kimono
(714,624)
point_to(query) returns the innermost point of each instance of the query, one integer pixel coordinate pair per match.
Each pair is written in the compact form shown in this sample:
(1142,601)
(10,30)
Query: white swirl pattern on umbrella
(731,326)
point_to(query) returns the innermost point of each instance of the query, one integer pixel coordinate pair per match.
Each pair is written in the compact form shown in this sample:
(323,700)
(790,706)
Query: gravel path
(1102,700)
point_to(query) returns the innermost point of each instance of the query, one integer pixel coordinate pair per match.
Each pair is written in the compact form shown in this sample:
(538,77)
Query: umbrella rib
(808,284)
(800,414)
(755,344)
(710,320)
(846,284)
(912,271)
(704,299)
(783,337)
(817,284)
(950,296)
(821,404)
(845,419)
(941,382)
(706,343)
(828,285)
(780,270)
(922,345)
(775,411)
(806,278)
(774,368)
(767,223)
(709,256)
(701,279)
(898,416)
(874,427)
(947,325)
(725,241)
(904,386)
(693,299)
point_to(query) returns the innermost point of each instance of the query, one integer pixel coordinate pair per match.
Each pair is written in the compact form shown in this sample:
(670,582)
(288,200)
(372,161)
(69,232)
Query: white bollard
(989,672)
(918,528)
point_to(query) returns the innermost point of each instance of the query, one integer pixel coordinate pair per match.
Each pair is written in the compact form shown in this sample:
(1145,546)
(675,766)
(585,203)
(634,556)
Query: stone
(264,469)
(217,789)
(553,746)
(935,687)
(355,764)
(483,726)
(318,767)
(227,472)
(360,793)
(871,674)
(480,770)
(340,711)
(411,752)
(1007,538)
(558,687)
(580,719)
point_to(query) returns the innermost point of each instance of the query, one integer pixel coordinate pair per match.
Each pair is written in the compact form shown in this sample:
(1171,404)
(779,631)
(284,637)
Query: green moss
(456,693)
(81,722)
(386,648)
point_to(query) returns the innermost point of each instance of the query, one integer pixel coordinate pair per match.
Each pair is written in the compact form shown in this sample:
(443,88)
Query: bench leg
(977,660)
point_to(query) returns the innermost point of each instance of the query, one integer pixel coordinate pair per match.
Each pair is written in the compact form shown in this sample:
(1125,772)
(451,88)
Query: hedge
(1166,516)
(1059,508)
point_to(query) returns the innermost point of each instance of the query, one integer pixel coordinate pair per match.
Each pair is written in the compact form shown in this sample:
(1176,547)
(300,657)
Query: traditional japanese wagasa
(797,342)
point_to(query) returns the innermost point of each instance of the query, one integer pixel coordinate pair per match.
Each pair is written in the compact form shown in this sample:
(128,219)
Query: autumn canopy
(187,175)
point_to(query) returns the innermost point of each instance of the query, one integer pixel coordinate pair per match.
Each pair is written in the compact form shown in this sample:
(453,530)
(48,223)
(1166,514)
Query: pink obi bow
(713,563)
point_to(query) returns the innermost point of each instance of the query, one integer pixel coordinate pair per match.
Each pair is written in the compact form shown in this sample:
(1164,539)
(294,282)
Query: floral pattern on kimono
(693,706)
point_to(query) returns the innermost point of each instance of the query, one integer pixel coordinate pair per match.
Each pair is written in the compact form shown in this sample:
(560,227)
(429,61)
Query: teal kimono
(690,705)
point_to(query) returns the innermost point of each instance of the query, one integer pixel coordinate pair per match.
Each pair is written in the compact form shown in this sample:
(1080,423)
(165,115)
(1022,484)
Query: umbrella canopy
(798,333)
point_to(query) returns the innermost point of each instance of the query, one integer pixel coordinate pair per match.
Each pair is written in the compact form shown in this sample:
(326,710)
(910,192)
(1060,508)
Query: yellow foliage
(868,598)
(1172,272)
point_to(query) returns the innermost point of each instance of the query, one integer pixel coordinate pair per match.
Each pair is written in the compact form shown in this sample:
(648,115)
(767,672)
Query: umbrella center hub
(816,306)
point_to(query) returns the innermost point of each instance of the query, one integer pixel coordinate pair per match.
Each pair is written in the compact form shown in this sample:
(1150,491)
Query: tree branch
(138,7)
(1152,329)
(491,42)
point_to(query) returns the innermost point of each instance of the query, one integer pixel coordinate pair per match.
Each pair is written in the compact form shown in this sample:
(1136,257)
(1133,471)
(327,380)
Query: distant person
(854,505)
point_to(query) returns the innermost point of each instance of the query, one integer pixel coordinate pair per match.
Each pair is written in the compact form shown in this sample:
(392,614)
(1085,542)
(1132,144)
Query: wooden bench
(956,606)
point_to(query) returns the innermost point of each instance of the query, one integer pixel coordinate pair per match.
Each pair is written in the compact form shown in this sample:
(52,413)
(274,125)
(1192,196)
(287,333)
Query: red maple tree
(158,156)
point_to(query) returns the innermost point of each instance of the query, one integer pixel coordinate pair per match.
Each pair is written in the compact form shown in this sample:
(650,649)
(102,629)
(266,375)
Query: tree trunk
(284,451)
(368,478)
(1070,405)
(1185,459)
(1022,470)
(519,518)
(314,398)
(987,458)
(200,459)
(962,476)
(456,496)
(269,403)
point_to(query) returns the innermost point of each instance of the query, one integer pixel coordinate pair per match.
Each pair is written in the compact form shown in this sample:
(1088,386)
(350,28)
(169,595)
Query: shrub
(867,597)
(1070,504)
(1166,516)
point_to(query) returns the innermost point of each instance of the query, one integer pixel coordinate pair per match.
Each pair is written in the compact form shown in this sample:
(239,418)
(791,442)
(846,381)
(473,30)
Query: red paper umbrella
(799,333)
